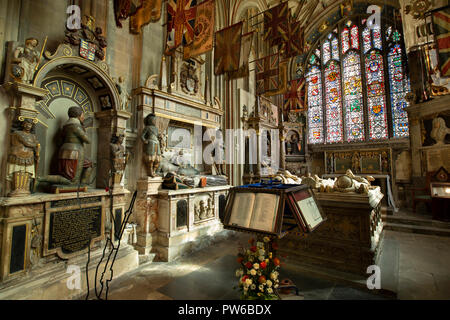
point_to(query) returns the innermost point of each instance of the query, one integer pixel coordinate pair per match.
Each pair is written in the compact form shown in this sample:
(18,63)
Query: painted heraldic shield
(87,50)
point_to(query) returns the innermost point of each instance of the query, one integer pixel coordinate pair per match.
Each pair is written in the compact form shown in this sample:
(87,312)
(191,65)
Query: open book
(256,211)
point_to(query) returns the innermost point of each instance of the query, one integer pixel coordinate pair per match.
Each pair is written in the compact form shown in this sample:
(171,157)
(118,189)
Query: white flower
(273,276)
(245,288)
(269,283)
(269,290)
(253,272)
(256,266)
(266,239)
(262,252)
(261,287)
(249,252)
(251,259)
(261,258)
(253,286)
(248,282)
(260,245)
(275,286)
(259,273)
(239,273)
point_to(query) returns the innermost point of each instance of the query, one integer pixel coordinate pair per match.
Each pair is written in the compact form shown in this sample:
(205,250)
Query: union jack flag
(267,73)
(294,99)
(276,23)
(180,22)
(441,21)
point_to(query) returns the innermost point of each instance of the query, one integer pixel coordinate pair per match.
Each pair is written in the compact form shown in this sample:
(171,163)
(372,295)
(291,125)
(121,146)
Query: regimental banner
(87,50)
(293,40)
(276,23)
(267,74)
(282,79)
(441,26)
(180,23)
(204,30)
(294,98)
(246,46)
(149,11)
(122,9)
(227,51)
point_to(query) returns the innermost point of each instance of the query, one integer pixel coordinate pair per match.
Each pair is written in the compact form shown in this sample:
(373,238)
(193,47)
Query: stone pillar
(110,122)
(146,214)
(415,135)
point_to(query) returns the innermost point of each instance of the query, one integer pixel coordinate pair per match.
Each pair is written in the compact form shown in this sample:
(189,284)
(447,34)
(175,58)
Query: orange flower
(276,261)
(244,278)
(262,279)
(240,259)
(263,265)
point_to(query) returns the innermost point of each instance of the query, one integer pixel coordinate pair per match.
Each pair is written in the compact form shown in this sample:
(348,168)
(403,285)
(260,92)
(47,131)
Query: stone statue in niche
(25,61)
(384,162)
(210,208)
(152,150)
(119,158)
(293,145)
(23,157)
(73,167)
(439,131)
(355,162)
(125,98)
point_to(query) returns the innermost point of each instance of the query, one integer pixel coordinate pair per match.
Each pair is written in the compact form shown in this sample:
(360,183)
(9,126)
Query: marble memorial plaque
(72,231)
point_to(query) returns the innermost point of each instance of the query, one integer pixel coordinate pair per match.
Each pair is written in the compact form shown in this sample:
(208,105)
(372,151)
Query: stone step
(442,232)
(413,221)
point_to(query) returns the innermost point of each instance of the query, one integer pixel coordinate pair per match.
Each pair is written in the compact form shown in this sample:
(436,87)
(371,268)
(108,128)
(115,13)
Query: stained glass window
(326,52)
(376,99)
(353,99)
(345,40)
(333,102)
(354,104)
(399,86)
(315,109)
(355,37)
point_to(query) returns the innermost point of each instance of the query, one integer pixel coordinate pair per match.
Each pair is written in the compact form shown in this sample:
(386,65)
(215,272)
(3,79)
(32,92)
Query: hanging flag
(203,31)
(282,79)
(294,98)
(149,11)
(267,73)
(293,40)
(441,26)
(122,10)
(246,47)
(227,51)
(276,23)
(180,23)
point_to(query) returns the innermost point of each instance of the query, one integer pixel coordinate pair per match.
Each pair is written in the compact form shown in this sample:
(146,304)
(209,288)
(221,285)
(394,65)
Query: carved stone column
(111,122)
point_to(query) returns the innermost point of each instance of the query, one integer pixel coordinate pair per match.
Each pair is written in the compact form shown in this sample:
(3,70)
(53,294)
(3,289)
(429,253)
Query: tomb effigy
(350,239)
(62,201)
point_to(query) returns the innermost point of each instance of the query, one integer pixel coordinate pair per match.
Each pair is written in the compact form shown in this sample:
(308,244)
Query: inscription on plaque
(74,202)
(73,230)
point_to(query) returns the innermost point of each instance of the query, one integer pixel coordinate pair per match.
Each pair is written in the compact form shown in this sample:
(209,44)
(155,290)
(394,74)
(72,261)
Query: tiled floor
(415,266)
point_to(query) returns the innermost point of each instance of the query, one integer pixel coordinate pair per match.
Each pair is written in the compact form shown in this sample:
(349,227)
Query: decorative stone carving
(125,98)
(204,209)
(439,131)
(89,38)
(25,61)
(119,158)
(73,167)
(152,150)
(23,158)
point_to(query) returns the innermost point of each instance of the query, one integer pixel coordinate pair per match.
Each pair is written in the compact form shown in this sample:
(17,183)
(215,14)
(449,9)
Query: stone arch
(92,69)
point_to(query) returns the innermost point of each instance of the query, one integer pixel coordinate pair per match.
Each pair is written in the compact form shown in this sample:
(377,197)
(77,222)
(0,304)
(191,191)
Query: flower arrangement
(258,272)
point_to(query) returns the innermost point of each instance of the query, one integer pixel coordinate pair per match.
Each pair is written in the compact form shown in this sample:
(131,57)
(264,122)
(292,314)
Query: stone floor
(414,266)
